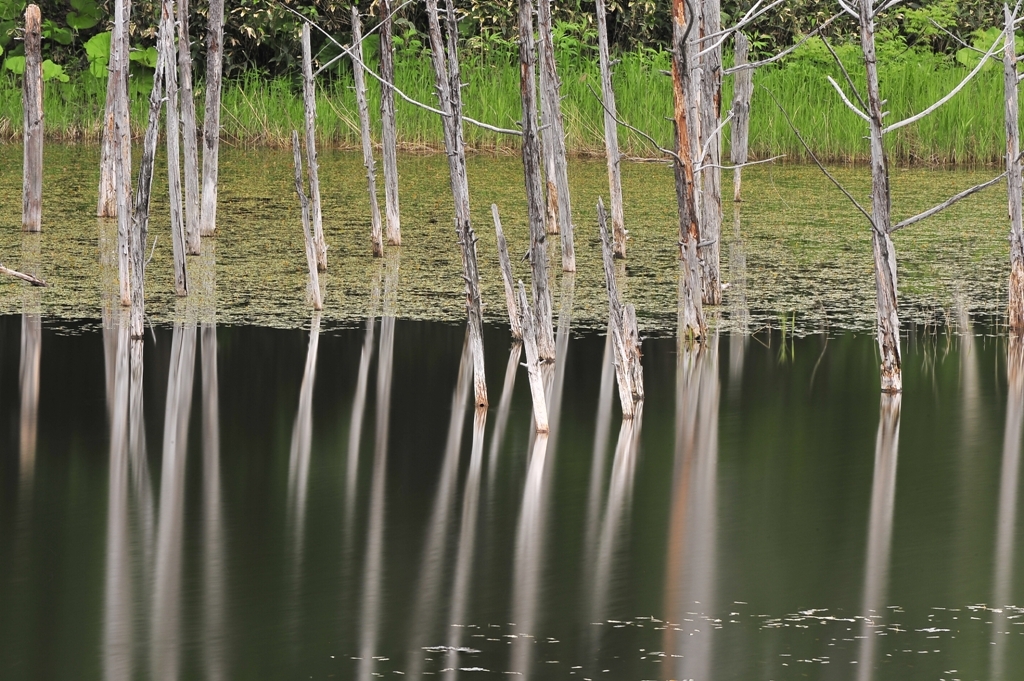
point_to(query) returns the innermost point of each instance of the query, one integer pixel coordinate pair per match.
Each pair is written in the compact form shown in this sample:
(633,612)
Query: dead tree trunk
(1013,177)
(364,130)
(449,92)
(622,326)
(314,278)
(534,191)
(884,251)
(121,151)
(540,406)
(309,107)
(140,212)
(166,47)
(514,321)
(389,131)
(611,134)
(711,160)
(188,130)
(106,205)
(742,91)
(32,100)
(211,126)
(554,135)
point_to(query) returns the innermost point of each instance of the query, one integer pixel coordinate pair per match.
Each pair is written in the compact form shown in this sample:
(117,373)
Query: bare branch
(849,10)
(886,7)
(35,281)
(739,165)
(712,136)
(654,142)
(365,36)
(960,40)
(947,203)
(846,101)
(846,74)
(757,64)
(724,35)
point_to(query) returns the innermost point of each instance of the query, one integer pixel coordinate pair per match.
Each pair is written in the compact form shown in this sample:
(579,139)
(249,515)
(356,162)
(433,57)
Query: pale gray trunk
(514,321)
(554,134)
(32,100)
(166,47)
(534,191)
(376,237)
(1013,178)
(188,131)
(449,91)
(540,407)
(211,126)
(106,204)
(121,151)
(711,175)
(611,135)
(389,131)
(314,279)
(742,91)
(309,107)
(884,251)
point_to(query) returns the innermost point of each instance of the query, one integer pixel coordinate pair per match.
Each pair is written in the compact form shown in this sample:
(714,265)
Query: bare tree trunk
(742,91)
(106,205)
(621,325)
(534,192)
(389,131)
(32,100)
(314,278)
(611,134)
(884,251)
(711,175)
(449,91)
(364,130)
(514,321)
(211,126)
(166,47)
(121,149)
(140,212)
(554,135)
(309,107)
(1013,178)
(188,129)
(540,406)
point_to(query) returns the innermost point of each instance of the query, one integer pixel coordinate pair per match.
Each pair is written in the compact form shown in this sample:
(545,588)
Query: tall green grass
(259,111)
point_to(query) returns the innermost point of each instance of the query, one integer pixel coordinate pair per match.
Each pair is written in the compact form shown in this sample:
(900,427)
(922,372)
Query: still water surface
(268,504)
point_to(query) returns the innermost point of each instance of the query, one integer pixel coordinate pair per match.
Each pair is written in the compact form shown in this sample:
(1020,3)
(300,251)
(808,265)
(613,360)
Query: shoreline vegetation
(261,111)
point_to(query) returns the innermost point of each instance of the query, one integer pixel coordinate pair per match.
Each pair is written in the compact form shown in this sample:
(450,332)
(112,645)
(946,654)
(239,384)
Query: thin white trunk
(389,132)
(166,46)
(611,134)
(742,91)
(211,126)
(376,237)
(314,279)
(188,130)
(313,167)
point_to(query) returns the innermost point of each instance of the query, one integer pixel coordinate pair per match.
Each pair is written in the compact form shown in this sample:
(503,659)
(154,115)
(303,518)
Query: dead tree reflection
(213,528)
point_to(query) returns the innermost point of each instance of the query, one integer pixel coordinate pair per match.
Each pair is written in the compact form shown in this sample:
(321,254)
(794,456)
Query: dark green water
(331,507)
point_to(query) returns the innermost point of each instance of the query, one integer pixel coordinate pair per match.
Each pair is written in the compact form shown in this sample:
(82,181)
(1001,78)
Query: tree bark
(711,175)
(534,192)
(309,107)
(121,149)
(884,251)
(106,204)
(32,100)
(622,326)
(211,126)
(376,237)
(389,131)
(554,134)
(611,135)
(742,91)
(1013,178)
(188,130)
(449,90)
(540,407)
(166,46)
(314,279)
(514,321)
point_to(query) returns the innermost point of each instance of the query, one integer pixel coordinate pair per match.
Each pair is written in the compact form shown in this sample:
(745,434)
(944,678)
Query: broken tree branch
(21,275)
(947,203)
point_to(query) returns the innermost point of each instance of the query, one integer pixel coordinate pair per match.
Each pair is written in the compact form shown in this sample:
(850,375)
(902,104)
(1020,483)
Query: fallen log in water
(35,281)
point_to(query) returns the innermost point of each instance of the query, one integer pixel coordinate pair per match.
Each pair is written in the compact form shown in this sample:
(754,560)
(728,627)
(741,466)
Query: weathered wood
(106,204)
(884,251)
(1013,177)
(376,237)
(122,152)
(165,42)
(211,126)
(389,131)
(35,281)
(554,135)
(32,107)
(140,212)
(540,407)
(742,91)
(631,345)
(616,319)
(312,165)
(534,192)
(686,124)
(314,279)
(506,277)
(711,140)
(449,92)
(611,134)
(188,132)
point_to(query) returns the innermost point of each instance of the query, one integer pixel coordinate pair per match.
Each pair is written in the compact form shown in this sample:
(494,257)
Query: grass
(262,112)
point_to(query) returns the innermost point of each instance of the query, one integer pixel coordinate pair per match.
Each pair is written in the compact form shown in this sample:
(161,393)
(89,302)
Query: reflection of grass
(263,112)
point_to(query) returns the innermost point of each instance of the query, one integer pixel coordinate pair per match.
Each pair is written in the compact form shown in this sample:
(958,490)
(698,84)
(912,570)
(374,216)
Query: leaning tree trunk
(389,132)
(742,91)
(1013,179)
(188,131)
(312,165)
(611,134)
(884,251)
(106,205)
(534,190)
(711,175)
(211,126)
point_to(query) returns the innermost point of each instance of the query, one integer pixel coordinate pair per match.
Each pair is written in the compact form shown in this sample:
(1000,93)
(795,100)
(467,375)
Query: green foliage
(53,71)
(84,14)
(97,49)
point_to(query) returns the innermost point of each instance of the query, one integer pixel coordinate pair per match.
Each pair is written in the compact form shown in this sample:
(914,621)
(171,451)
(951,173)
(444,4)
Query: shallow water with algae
(794,253)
